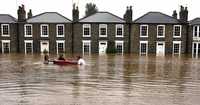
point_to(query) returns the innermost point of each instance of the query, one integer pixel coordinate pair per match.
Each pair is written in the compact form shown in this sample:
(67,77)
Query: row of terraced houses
(152,33)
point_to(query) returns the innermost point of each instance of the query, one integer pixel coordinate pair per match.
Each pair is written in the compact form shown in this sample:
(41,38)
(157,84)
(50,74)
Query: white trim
(144,42)
(28,41)
(120,42)
(86,41)
(87,26)
(141,30)
(60,41)
(174,31)
(57,30)
(163,42)
(163,31)
(177,42)
(41,34)
(41,41)
(5,41)
(5,35)
(195,54)
(119,26)
(198,33)
(103,42)
(25,34)
(102,26)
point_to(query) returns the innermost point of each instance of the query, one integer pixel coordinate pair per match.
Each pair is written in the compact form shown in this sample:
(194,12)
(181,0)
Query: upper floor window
(177,31)
(86,30)
(102,30)
(144,31)
(5,30)
(196,31)
(60,29)
(160,31)
(44,30)
(28,30)
(119,30)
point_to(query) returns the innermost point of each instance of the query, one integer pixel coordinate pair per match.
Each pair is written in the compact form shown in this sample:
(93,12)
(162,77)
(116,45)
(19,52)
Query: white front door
(160,48)
(44,45)
(102,47)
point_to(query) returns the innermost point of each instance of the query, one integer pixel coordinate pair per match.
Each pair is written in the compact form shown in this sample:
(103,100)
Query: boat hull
(65,62)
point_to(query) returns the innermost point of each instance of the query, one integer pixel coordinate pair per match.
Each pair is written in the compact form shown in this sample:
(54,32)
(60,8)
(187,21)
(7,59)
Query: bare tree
(90,9)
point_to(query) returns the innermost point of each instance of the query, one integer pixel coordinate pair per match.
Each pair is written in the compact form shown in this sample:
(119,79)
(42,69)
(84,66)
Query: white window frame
(87,26)
(116,27)
(198,32)
(120,42)
(28,41)
(174,31)
(146,42)
(60,41)
(2,47)
(5,35)
(163,31)
(41,34)
(141,30)
(63,30)
(102,26)
(177,42)
(83,43)
(25,34)
(195,53)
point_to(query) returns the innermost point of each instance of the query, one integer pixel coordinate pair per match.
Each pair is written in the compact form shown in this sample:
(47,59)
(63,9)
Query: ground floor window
(119,46)
(28,46)
(176,47)
(143,47)
(196,49)
(60,46)
(86,46)
(5,46)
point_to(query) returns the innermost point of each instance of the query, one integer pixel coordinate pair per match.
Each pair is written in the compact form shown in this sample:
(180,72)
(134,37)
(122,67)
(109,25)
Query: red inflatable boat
(65,62)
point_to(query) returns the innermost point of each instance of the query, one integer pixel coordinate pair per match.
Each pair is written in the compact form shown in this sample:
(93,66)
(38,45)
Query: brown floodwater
(104,80)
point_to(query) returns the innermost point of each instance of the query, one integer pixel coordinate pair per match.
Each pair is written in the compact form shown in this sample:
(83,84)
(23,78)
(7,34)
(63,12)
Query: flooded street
(105,80)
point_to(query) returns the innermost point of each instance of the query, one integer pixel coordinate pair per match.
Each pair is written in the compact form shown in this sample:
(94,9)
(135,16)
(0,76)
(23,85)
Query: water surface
(105,80)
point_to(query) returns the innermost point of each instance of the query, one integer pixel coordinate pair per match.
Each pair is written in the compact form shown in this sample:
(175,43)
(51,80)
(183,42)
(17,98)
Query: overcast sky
(116,7)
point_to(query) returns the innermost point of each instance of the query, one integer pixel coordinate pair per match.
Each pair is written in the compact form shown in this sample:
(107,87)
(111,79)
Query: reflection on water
(105,80)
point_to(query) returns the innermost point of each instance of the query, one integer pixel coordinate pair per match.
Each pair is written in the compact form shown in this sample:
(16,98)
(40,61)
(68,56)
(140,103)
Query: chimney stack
(129,14)
(183,14)
(30,14)
(174,14)
(75,13)
(21,14)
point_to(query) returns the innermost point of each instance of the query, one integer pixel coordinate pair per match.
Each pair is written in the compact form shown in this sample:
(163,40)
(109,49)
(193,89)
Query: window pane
(102,31)
(60,47)
(44,30)
(143,48)
(6,47)
(28,47)
(195,31)
(86,47)
(177,30)
(5,29)
(143,30)
(160,31)
(86,31)
(60,30)
(119,48)
(28,30)
(176,48)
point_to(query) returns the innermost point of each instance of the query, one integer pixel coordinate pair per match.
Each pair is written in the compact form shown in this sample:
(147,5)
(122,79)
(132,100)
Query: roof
(102,17)
(6,18)
(49,17)
(195,21)
(156,17)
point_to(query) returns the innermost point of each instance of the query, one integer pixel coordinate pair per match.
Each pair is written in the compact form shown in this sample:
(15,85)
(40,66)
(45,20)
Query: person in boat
(61,57)
(81,61)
